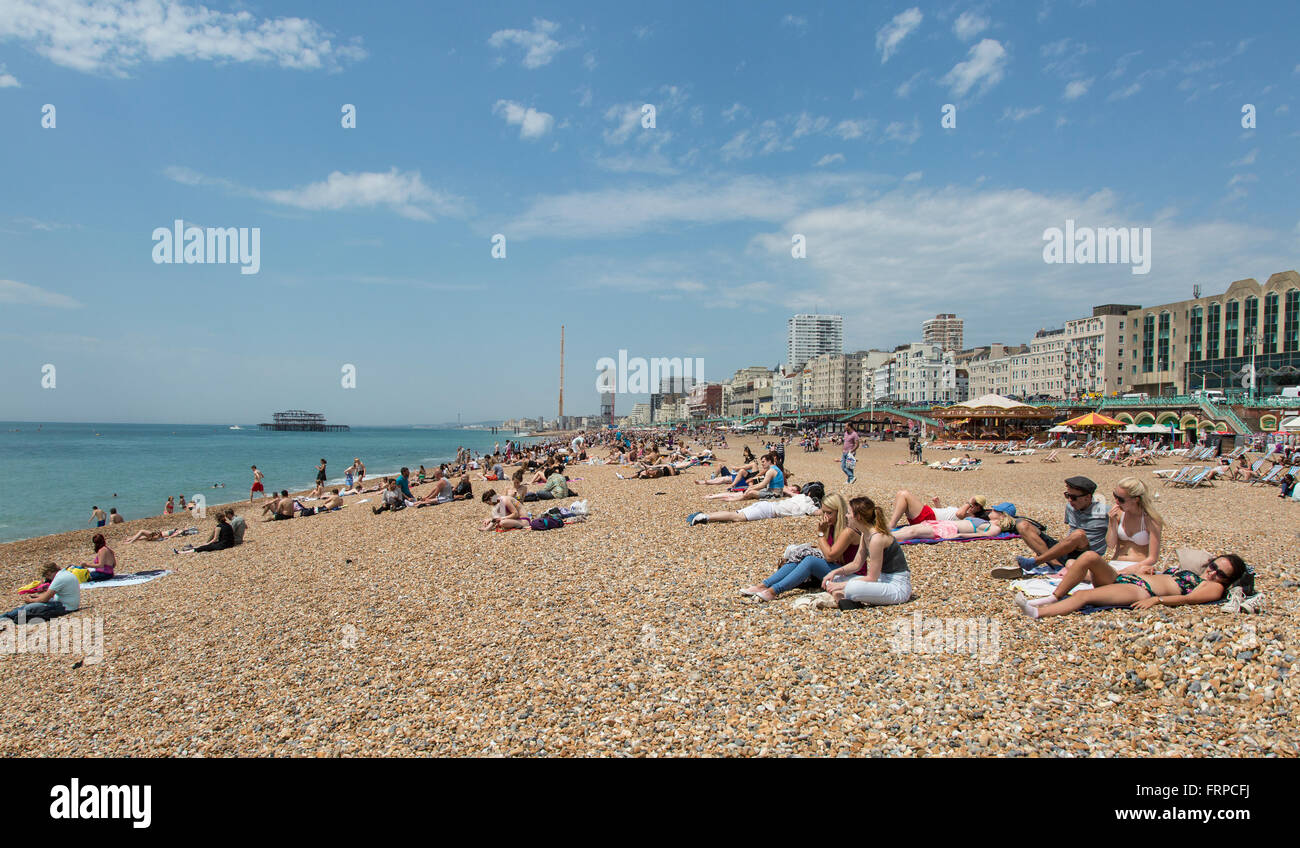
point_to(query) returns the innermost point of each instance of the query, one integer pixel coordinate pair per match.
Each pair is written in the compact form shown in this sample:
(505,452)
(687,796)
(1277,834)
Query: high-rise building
(809,336)
(945,330)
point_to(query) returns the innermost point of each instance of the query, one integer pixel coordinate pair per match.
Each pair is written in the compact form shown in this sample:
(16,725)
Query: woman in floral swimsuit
(1172,587)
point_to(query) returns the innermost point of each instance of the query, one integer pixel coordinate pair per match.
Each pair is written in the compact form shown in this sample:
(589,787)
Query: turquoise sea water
(54,473)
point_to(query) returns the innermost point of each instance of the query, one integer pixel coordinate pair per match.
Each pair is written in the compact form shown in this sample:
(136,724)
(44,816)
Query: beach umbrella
(1093,419)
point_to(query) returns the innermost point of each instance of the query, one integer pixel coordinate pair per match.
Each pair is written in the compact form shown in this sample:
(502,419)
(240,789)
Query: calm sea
(55,473)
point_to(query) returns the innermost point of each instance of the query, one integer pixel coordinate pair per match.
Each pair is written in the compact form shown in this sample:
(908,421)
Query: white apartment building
(810,336)
(919,373)
(990,370)
(1047,375)
(1094,351)
(787,391)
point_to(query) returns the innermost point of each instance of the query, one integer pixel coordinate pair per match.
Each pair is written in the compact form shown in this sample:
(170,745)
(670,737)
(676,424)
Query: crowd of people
(857,557)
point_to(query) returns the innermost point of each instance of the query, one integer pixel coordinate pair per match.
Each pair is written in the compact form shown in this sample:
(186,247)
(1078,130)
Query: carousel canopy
(993,407)
(991,402)
(1144,429)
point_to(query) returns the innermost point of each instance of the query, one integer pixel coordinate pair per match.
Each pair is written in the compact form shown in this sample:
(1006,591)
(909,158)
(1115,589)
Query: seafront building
(1180,347)
(1094,352)
(810,336)
(945,330)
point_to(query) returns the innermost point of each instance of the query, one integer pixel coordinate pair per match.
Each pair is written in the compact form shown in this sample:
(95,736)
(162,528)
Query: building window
(1148,343)
(1291,332)
(1250,320)
(1162,348)
(1194,346)
(1230,322)
(1270,323)
(1212,332)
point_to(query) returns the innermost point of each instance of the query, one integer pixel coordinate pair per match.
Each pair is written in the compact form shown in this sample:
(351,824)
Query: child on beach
(170,508)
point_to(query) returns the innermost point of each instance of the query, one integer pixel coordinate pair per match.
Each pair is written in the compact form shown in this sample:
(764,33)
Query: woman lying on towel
(909,506)
(963,528)
(154,535)
(1172,587)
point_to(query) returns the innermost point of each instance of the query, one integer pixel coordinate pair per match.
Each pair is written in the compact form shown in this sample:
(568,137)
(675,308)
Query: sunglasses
(1119,499)
(1214,566)
(1071,497)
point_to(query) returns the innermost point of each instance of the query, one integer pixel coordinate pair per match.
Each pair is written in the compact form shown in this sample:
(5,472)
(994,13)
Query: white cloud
(532,123)
(112,36)
(913,177)
(589,61)
(1125,93)
(849,130)
(905,87)
(652,162)
(729,114)
(891,35)
(1077,88)
(538,45)
(968,25)
(643,32)
(1019,114)
(1242,178)
(1248,159)
(627,116)
(8,80)
(796,21)
(806,124)
(984,67)
(1282,110)
(899,131)
(762,140)
(829,159)
(404,192)
(585,91)
(12,291)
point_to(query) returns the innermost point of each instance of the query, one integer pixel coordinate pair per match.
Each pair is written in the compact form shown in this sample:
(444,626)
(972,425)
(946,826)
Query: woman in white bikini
(1133,538)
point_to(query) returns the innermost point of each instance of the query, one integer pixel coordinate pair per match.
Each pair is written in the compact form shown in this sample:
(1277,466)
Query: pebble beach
(411,633)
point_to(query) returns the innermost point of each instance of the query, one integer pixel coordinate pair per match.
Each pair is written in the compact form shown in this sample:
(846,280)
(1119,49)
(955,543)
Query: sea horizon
(134,467)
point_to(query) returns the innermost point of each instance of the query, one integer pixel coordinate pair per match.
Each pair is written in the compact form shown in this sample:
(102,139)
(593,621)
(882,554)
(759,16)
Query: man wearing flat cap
(1086,520)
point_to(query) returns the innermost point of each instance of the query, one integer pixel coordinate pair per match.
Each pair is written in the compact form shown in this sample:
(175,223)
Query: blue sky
(524,119)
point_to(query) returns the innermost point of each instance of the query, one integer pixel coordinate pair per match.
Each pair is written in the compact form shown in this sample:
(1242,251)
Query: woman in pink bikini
(105,560)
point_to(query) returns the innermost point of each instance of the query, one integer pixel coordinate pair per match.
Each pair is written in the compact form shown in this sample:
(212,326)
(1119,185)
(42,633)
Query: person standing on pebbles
(849,459)
(1085,516)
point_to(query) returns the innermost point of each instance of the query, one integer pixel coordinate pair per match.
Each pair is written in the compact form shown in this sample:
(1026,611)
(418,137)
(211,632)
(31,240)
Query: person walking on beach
(97,515)
(320,475)
(849,460)
(170,508)
(257,485)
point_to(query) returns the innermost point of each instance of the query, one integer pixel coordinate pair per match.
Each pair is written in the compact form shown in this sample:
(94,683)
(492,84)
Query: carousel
(993,417)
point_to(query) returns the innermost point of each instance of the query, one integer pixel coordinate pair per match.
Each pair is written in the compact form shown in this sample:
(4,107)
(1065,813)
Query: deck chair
(1204,477)
(1177,478)
(1051,457)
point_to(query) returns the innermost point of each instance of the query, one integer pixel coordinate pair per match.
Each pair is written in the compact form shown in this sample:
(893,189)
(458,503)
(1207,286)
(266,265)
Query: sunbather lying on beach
(964,528)
(1171,587)
(909,506)
(795,504)
(153,535)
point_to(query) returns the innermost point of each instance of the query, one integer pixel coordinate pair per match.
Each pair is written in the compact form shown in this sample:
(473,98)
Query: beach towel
(126,579)
(1001,537)
(1041,587)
